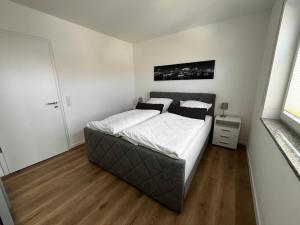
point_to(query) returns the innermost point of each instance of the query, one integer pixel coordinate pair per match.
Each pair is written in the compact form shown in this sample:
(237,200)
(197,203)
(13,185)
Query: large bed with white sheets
(157,153)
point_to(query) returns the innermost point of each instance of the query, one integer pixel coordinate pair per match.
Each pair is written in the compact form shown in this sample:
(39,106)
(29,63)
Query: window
(291,109)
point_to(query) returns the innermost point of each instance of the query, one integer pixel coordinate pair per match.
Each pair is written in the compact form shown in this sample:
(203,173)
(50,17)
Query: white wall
(236,45)
(276,188)
(94,69)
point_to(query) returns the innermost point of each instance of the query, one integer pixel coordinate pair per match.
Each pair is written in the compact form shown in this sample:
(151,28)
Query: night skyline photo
(185,71)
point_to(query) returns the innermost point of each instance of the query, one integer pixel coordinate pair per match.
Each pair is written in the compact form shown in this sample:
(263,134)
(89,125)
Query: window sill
(287,140)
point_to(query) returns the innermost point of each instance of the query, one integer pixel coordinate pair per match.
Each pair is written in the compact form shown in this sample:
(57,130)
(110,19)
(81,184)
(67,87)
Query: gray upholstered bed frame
(157,175)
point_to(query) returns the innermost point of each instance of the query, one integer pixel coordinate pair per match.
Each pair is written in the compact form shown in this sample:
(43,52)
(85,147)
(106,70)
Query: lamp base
(223,114)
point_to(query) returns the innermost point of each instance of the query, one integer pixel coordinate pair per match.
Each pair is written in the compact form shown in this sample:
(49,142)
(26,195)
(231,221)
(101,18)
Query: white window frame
(286,117)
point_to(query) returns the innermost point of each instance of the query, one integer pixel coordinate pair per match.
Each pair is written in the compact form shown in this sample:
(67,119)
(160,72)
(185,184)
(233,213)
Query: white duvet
(119,122)
(167,133)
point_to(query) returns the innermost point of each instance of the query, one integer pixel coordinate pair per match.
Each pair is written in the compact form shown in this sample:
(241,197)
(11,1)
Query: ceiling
(139,20)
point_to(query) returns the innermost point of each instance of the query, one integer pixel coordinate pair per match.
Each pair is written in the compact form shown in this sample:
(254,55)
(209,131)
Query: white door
(31,120)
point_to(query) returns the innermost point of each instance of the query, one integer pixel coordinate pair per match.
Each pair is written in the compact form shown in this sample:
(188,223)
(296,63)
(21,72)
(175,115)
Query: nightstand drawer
(226,142)
(226,131)
(225,137)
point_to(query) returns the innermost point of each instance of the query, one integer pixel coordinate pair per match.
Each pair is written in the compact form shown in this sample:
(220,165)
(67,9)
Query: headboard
(177,96)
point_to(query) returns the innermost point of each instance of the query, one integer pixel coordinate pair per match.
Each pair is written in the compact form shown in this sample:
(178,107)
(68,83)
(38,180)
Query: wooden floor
(69,190)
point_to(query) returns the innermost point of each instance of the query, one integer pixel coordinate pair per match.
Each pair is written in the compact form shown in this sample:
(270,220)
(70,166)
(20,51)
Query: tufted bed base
(157,175)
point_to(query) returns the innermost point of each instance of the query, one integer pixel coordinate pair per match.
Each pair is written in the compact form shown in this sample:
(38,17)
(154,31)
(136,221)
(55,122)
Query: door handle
(52,103)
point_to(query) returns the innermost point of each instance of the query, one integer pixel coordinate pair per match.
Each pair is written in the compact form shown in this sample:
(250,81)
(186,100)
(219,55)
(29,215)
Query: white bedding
(167,133)
(195,147)
(119,122)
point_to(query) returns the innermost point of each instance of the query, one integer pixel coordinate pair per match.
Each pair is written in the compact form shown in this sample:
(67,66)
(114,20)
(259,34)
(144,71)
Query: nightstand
(226,131)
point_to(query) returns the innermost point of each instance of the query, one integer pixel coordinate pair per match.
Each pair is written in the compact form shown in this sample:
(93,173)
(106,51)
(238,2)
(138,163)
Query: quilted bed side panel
(159,176)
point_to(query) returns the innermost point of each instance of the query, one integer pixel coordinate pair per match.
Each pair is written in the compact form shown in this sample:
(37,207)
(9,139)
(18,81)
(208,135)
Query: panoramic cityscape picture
(185,71)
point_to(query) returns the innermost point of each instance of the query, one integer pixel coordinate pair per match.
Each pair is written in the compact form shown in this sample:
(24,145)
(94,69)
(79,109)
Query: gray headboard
(177,96)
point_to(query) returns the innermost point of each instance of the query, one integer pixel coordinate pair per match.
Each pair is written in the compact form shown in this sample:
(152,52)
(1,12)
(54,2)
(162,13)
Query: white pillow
(195,104)
(165,101)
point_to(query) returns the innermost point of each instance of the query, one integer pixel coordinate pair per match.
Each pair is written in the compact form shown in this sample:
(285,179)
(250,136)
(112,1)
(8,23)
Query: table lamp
(224,106)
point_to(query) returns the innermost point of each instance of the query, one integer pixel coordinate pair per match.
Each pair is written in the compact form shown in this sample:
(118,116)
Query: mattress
(196,146)
(167,133)
(114,124)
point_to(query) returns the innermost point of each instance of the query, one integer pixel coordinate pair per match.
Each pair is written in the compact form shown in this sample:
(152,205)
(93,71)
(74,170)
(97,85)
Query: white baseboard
(76,144)
(254,196)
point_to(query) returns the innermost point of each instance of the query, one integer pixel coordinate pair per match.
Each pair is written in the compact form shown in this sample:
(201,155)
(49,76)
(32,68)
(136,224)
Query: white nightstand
(226,131)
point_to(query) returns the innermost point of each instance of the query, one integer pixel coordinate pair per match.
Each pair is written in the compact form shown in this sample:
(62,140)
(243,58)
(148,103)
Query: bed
(165,179)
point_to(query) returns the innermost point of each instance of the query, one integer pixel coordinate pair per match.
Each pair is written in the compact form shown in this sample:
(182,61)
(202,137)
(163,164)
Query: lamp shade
(224,105)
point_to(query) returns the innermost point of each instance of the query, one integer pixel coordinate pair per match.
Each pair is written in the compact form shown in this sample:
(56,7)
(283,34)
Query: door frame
(55,78)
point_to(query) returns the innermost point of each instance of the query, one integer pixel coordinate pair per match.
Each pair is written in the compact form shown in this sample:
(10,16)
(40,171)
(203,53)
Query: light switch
(68,101)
